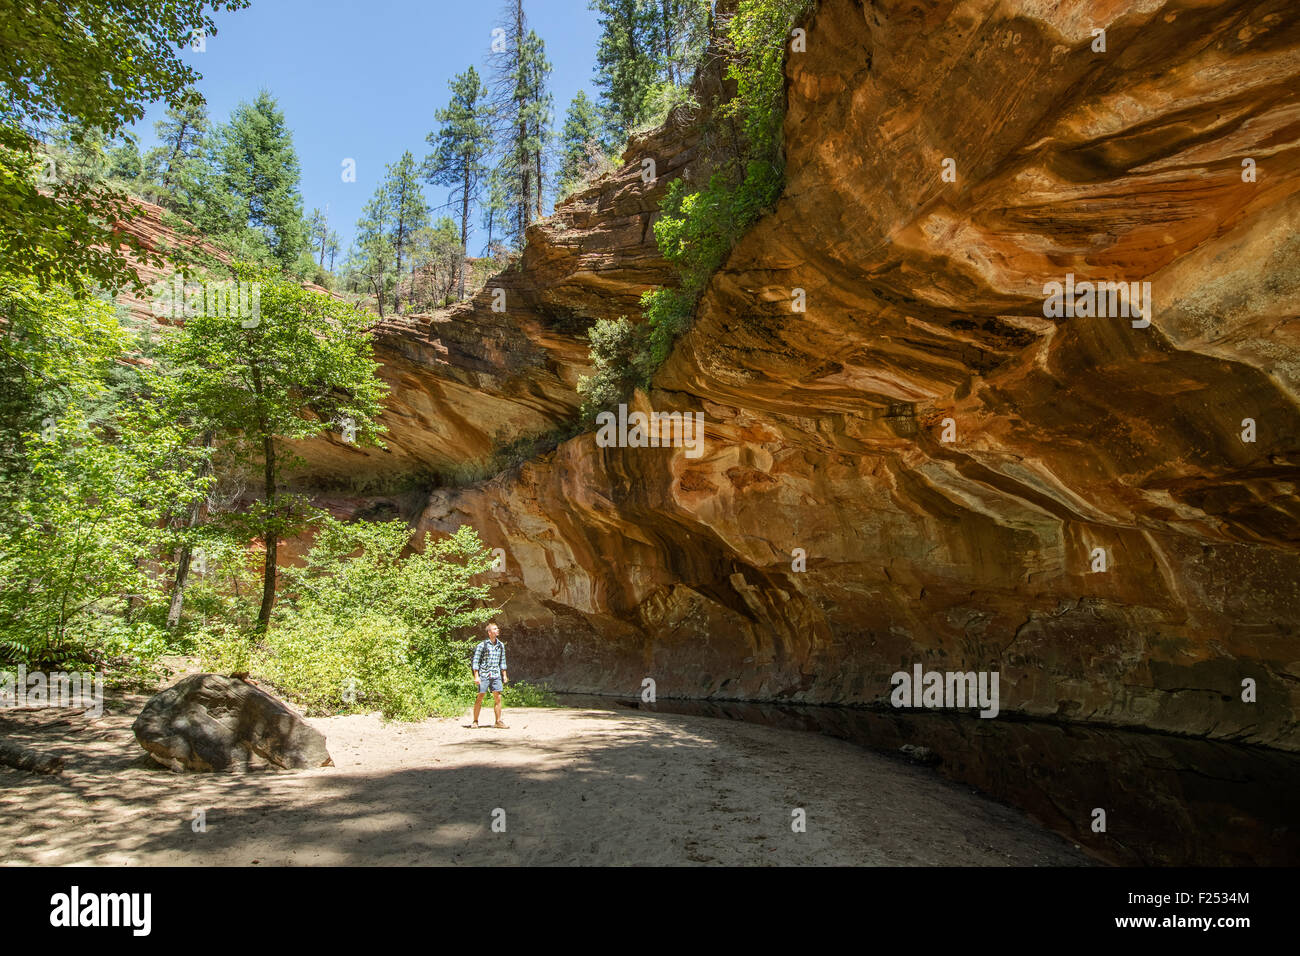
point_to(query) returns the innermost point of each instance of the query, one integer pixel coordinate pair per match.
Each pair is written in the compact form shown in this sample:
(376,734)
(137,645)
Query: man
(490,672)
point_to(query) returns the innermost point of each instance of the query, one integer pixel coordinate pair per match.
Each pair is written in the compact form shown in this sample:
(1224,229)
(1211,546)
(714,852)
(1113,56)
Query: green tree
(174,164)
(258,177)
(614,348)
(386,231)
(679,32)
(461,147)
(579,141)
(79,154)
(625,62)
(648,49)
(318,233)
(522,110)
(91,479)
(98,62)
(494,209)
(124,161)
(408,213)
(538,113)
(54,353)
(331,247)
(302,364)
(370,261)
(438,261)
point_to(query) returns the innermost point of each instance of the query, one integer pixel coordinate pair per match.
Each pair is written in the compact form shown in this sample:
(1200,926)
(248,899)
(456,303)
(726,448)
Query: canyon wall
(953,464)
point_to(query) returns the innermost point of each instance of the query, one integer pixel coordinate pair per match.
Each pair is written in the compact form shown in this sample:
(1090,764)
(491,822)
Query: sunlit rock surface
(1073,437)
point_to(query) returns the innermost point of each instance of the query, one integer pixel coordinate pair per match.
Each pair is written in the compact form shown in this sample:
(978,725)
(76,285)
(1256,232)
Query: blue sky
(361,79)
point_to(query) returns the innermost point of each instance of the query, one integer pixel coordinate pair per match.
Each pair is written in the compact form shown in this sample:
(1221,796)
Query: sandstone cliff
(825,428)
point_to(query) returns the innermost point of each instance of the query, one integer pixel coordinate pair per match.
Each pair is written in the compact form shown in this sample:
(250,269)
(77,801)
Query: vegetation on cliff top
(698,226)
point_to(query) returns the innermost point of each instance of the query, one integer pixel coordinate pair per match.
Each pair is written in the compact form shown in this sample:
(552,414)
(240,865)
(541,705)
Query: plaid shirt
(490,659)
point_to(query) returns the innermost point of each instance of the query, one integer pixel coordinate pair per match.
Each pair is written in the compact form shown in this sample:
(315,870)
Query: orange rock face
(926,465)
(503,367)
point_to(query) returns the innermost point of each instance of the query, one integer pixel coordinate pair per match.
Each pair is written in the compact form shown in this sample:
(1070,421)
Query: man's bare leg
(496,704)
(478,704)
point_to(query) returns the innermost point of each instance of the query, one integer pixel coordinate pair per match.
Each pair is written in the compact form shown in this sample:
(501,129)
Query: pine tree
(371,259)
(259,176)
(408,211)
(80,153)
(173,164)
(578,141)
(521,108)
(387,230)
(332,247)
(461,148)
(318,233)
(647,49)
(124,162)
(439,261)
(494,209)
(538,112)
(679,32)
(625,63)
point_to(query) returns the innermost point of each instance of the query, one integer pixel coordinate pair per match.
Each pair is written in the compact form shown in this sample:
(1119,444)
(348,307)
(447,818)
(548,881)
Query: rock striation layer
(971,483)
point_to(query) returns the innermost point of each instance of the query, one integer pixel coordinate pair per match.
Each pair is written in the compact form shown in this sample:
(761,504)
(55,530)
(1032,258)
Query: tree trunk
(178,586)
(171,160)
(464,236)
(270,535)
(525,198)
(271,538)
(538,157)
(397,281)
(183,555)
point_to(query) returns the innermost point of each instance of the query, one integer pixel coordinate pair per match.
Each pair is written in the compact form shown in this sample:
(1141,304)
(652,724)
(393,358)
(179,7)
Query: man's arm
(478,655)
(505,678)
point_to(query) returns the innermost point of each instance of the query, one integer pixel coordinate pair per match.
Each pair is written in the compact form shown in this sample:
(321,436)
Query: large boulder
(209,722)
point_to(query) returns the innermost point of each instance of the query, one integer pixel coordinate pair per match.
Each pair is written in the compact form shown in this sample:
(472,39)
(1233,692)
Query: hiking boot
(501,725)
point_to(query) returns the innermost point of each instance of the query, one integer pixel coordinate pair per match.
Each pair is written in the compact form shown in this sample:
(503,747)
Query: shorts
(486,684)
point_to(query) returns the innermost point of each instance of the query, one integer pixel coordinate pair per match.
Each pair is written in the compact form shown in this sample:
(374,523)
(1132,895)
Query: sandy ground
(577,786)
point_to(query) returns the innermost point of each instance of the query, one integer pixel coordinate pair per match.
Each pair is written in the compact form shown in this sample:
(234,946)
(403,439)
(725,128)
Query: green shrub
(365,625)
(367,662)
(361,662)
(133,650)
(224,648)
(520,694)
(661,100)
(614,346)
(697,228)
